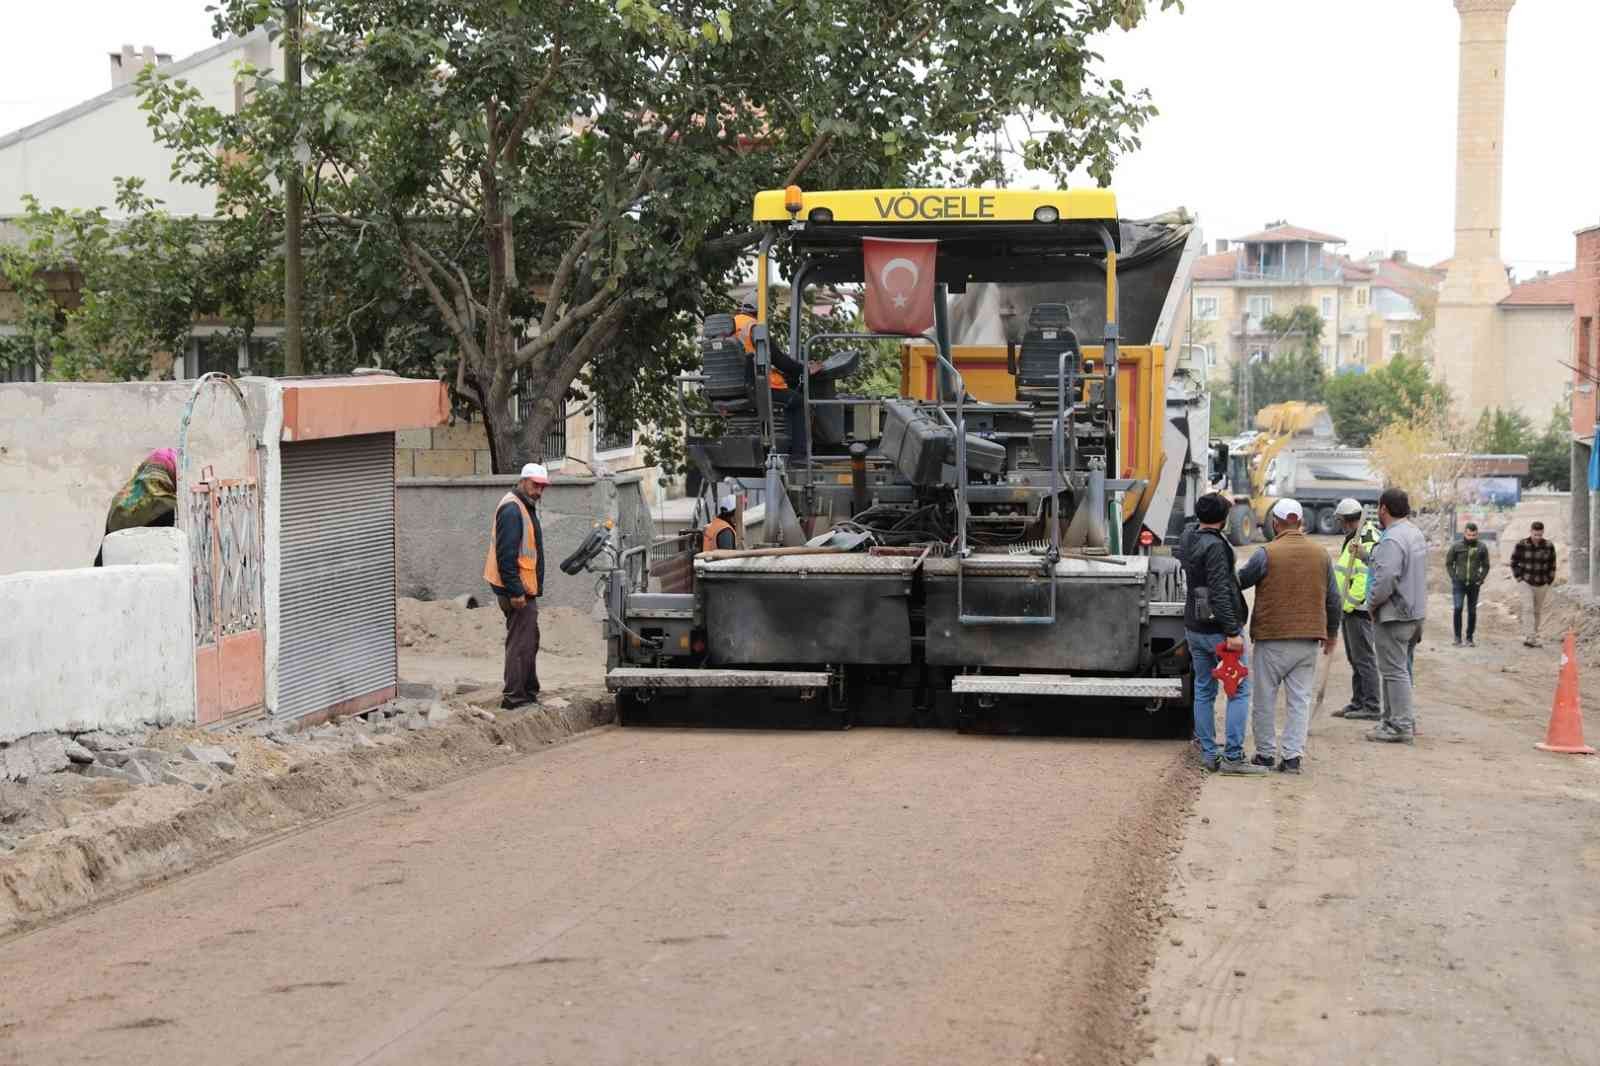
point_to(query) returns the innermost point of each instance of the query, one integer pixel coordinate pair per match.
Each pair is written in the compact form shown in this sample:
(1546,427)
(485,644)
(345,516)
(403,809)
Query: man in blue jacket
(1214,613)
(514,569)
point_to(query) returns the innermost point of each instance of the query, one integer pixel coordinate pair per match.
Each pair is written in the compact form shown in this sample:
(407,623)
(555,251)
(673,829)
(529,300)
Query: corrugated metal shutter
(336,610)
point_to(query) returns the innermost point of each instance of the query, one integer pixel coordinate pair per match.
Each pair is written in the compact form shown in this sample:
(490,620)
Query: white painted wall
(72,164)
(65,450)
(103,648)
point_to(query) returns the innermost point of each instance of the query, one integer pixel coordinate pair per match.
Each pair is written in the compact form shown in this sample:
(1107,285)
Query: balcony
(1316,274)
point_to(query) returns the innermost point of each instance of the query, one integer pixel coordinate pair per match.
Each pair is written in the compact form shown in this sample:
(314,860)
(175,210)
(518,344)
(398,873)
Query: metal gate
(336,621)
(222,520)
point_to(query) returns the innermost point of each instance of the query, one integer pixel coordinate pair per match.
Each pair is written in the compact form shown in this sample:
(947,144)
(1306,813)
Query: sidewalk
(1396,905)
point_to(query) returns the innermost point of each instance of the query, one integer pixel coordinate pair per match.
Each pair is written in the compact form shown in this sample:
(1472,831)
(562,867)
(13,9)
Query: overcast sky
(1339,116)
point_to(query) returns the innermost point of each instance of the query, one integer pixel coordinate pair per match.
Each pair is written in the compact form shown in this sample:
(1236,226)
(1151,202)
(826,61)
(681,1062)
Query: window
(1585,356)
(1327,353)
(1259,355)
(1206,308)
(1361,347)
(1361,297)
(608,438)
(1396,342)
(1327,308)
(1210,354)
(1260,307)
(555,438)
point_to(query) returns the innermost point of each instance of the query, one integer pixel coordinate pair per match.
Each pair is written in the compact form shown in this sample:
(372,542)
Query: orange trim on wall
(353,406)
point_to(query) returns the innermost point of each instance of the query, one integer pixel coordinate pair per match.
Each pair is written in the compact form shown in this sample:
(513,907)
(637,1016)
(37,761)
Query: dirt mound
(441,627)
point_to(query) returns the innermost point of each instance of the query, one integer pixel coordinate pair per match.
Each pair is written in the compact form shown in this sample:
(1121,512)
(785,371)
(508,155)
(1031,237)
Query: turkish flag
(900,277)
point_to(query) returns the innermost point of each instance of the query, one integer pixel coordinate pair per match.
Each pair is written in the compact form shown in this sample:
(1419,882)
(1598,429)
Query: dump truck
(988,542)
(1283,458)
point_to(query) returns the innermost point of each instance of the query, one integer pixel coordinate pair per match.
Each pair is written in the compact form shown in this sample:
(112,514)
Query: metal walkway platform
(1139,688)
(626,677)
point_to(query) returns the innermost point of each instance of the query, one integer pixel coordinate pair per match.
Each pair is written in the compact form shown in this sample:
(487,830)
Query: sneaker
(1263,760)
(1458,642)
(1210,763)
(1388,734)
(1344,712)
(1289,766)
(1363,716)
(1240,768)
(1471,643)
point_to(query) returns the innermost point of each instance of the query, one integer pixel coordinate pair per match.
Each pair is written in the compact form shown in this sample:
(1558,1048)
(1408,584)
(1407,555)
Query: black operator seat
(725,365)
(1049,334)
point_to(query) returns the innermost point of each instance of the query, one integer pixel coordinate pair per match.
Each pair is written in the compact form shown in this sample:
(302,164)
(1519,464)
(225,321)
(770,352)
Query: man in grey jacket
(1397,596)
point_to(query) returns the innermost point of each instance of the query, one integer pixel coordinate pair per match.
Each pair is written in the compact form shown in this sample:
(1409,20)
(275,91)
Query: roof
(1354,269)
(1285,232)
(892,206)
(1553,290)
(1218,267)
(1406,277)
(125,90)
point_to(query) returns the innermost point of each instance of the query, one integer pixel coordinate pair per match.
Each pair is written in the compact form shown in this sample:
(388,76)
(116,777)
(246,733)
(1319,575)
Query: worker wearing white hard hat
(1361,535)
(515,571)
(720,533)
(1296,612)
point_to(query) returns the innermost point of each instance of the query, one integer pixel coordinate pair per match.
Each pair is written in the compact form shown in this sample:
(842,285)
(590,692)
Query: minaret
(1467,335)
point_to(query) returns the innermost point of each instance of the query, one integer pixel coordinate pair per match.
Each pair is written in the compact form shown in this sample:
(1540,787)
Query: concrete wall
(71,160)
(103,648)
(444,524)
(65,450)
(1538,343)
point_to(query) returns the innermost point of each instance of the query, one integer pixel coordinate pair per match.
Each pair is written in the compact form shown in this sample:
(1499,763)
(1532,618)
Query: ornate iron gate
(222,519)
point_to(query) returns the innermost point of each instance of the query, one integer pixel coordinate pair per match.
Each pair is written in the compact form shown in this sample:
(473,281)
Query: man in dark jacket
(515,571)
(1467,563)
(1214,613)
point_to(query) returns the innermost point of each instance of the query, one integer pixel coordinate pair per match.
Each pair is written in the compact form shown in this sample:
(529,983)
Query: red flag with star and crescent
(900,279)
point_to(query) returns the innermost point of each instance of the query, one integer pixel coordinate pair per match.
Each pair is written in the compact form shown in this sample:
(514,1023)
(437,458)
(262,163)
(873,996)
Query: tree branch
(811,155)
(519,124)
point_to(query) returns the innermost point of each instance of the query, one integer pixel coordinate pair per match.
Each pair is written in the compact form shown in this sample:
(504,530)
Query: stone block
(405,462)
(33,756)
(484,462)
(411,690)
(110,773)
(78,753)
(418,439)
(466,436)
(210,755)
(444,463)
(194,777)
(102,741)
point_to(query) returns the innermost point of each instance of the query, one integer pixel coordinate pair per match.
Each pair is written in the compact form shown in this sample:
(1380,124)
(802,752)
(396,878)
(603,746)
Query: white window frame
(1330,306)
(1200,303)
(1397,342)
(1258,300)
(1327,353)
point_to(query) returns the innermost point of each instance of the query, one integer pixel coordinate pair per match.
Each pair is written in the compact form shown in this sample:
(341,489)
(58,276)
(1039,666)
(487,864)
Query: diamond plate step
(665,677)
(1143,688)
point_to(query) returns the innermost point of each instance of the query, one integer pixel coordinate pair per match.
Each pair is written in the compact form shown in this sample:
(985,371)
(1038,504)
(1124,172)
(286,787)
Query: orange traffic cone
(1566,717)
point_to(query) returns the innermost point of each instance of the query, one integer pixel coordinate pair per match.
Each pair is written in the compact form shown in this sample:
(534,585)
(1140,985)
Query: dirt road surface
(653,896)
(1395,905)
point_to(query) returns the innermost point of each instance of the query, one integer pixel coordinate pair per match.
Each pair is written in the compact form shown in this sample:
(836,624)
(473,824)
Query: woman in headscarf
(150,498)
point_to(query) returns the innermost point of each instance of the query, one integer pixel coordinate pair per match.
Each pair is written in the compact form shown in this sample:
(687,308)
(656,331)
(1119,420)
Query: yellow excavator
(1250,462)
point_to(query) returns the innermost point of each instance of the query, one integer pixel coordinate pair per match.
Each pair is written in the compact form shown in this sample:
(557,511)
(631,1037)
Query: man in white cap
(719,533)
(1296,612)
(515,570)
(1361,535)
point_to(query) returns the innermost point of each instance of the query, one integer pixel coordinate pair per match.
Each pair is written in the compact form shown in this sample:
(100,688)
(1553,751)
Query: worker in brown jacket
(1296,612)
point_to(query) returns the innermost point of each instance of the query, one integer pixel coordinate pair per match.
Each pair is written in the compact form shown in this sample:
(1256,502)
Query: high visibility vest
(527,555)
(1351,573)
(714,528)
(741,329)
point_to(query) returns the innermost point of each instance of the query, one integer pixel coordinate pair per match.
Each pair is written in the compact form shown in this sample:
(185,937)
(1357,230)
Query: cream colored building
(1273,272)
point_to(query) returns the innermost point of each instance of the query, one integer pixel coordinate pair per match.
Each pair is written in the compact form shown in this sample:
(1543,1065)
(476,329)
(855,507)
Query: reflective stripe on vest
(527,555)
(1351,573)
(714,528)
(741,329)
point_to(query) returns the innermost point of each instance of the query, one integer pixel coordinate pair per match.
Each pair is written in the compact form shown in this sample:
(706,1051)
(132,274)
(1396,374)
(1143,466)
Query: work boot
(1388,734)
(1363,716)
(1344,712)
(1210,763)
(1289,766)
(1240,768)
(1263,760)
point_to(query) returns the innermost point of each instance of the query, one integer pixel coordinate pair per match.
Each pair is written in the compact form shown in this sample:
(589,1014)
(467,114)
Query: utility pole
(293,267)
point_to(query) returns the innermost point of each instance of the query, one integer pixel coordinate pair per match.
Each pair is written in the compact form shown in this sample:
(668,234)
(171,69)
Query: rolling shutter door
(336,610)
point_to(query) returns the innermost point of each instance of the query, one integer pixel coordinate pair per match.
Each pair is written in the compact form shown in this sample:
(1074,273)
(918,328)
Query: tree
(1361,405)
(569,181)
(1298,331)
(1550,453)
(1297,375)
(1503,432)
(1428,454)
(128,291)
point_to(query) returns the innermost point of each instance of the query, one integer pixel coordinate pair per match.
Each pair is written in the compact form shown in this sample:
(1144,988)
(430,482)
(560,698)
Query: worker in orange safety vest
(514,569)
(719,532)
(783,376)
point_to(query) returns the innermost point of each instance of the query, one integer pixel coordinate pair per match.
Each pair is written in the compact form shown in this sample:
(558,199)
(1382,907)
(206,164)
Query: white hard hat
(727,503)
(1285,509)
(1347,508)
(536,473)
